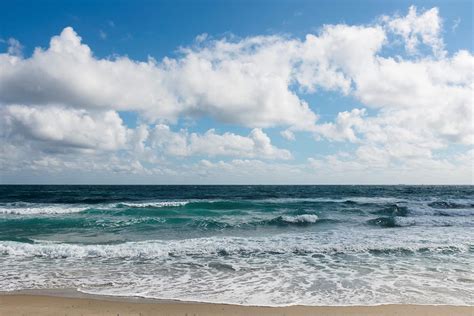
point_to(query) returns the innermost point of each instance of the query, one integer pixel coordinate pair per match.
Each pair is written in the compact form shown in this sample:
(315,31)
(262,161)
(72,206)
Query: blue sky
(323,151)
(158,28)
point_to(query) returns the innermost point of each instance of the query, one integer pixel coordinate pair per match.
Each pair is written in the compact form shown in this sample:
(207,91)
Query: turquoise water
(252,245)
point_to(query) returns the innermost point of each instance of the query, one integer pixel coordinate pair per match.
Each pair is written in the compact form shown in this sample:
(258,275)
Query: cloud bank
(417,105)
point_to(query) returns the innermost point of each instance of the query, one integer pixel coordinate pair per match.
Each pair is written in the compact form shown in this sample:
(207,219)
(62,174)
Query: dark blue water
(263,245)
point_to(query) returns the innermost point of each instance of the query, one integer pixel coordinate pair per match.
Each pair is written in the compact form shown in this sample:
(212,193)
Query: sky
(236,92)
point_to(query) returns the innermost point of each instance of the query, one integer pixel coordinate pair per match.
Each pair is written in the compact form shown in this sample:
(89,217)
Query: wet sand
(57,304)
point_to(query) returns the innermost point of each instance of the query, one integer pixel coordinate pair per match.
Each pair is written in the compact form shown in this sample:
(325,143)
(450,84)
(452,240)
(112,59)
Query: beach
(197,157)
(37,304)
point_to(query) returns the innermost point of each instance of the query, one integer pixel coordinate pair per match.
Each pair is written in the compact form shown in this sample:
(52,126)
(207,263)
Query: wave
(46,225)
(24,208)
(455,212)
(153,204)
(34,225)
(229,222)
(213,246)
(215,213)
(392,210)
(187,223)
(388,222)
(388,206)
(28,208)
(432,221)
(18,239)
(450,205)
(417,208)
(303,219)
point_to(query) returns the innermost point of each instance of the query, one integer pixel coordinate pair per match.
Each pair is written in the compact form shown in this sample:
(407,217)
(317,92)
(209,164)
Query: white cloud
(373,166)
(256,145)
(414,28)
(64,99)
(245,82)
(342,129)
(330,59)
(67,74)
(421,104)
(246,171)
(59,139)
(59,129)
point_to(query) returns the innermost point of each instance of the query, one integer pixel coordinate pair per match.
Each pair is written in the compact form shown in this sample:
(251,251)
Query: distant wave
(29,208)
(153,204)
(24,208)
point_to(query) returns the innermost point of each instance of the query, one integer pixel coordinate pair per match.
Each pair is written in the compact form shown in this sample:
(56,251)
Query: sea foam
(23,208)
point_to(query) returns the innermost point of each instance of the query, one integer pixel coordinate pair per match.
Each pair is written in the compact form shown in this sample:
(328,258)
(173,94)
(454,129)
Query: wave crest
(214,247)
(153,204)
(300,219)
(24,208)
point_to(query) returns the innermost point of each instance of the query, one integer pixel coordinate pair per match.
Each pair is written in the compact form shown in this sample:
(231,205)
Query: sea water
(251,245)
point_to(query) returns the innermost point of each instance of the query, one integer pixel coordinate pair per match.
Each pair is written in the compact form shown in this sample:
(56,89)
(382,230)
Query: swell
(24,218)
(42,225)
(450,205)
(382,205)
(431,221)
(45,225)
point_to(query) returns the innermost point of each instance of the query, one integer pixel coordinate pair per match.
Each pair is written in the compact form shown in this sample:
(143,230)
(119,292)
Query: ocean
(250,245)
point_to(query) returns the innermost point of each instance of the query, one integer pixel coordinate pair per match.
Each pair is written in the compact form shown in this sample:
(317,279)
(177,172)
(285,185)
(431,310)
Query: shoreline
(73,302)
(74,293)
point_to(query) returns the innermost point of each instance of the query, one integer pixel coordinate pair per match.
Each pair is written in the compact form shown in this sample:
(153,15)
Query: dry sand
(33,304)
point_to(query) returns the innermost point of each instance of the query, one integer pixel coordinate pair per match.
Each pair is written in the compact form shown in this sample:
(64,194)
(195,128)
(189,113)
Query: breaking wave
(212,246)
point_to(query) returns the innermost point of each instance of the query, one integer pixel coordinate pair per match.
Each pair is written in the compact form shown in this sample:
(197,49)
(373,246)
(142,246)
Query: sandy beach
(37,304)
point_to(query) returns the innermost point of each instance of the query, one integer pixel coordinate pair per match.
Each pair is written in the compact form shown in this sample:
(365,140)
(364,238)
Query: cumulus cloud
(67,74)
(256,145)
(330,59)
(343,129)
(421,104)
(414,28)
(245,82)
(65,99)
(59,129)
